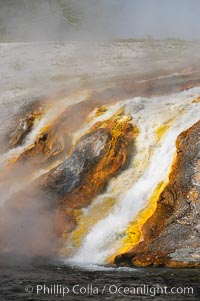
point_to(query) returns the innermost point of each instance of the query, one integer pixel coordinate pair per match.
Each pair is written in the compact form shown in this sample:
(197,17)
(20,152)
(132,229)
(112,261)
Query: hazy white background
(24,20)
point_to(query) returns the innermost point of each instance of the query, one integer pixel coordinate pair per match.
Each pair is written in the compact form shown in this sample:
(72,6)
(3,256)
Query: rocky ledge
(171,237)
(94,160)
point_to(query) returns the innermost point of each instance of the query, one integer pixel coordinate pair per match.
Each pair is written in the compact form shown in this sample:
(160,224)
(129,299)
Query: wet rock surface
(77,172)
(69,174)
(171,237)
(24,127)
(98,156)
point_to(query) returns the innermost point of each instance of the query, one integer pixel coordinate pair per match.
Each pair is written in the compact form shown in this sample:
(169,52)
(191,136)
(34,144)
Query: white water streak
(47,119)
(100,242)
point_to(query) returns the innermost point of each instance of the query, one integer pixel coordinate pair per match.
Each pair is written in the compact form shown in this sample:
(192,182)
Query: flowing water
(178,113)
(159,121)
(102,227)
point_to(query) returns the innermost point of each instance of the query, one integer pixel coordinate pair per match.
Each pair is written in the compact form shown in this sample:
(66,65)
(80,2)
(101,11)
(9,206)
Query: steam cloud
(27,225)
(29,229)
(30,20)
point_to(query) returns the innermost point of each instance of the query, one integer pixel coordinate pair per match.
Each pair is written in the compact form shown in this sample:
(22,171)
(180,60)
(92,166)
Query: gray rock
(69,174)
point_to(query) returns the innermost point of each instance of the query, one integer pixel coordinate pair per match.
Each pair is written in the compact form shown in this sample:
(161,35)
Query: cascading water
(55,110)
(104,237)
(159,121)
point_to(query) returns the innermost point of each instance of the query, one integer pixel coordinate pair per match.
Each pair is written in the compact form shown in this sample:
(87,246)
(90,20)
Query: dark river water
(56,281)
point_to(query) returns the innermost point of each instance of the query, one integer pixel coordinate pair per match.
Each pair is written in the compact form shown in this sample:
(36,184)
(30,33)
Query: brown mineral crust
(119,88)
(55,139)
(24,127)
(47,146)
(115,89)
(171,236)
(94,160)
(23,121)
